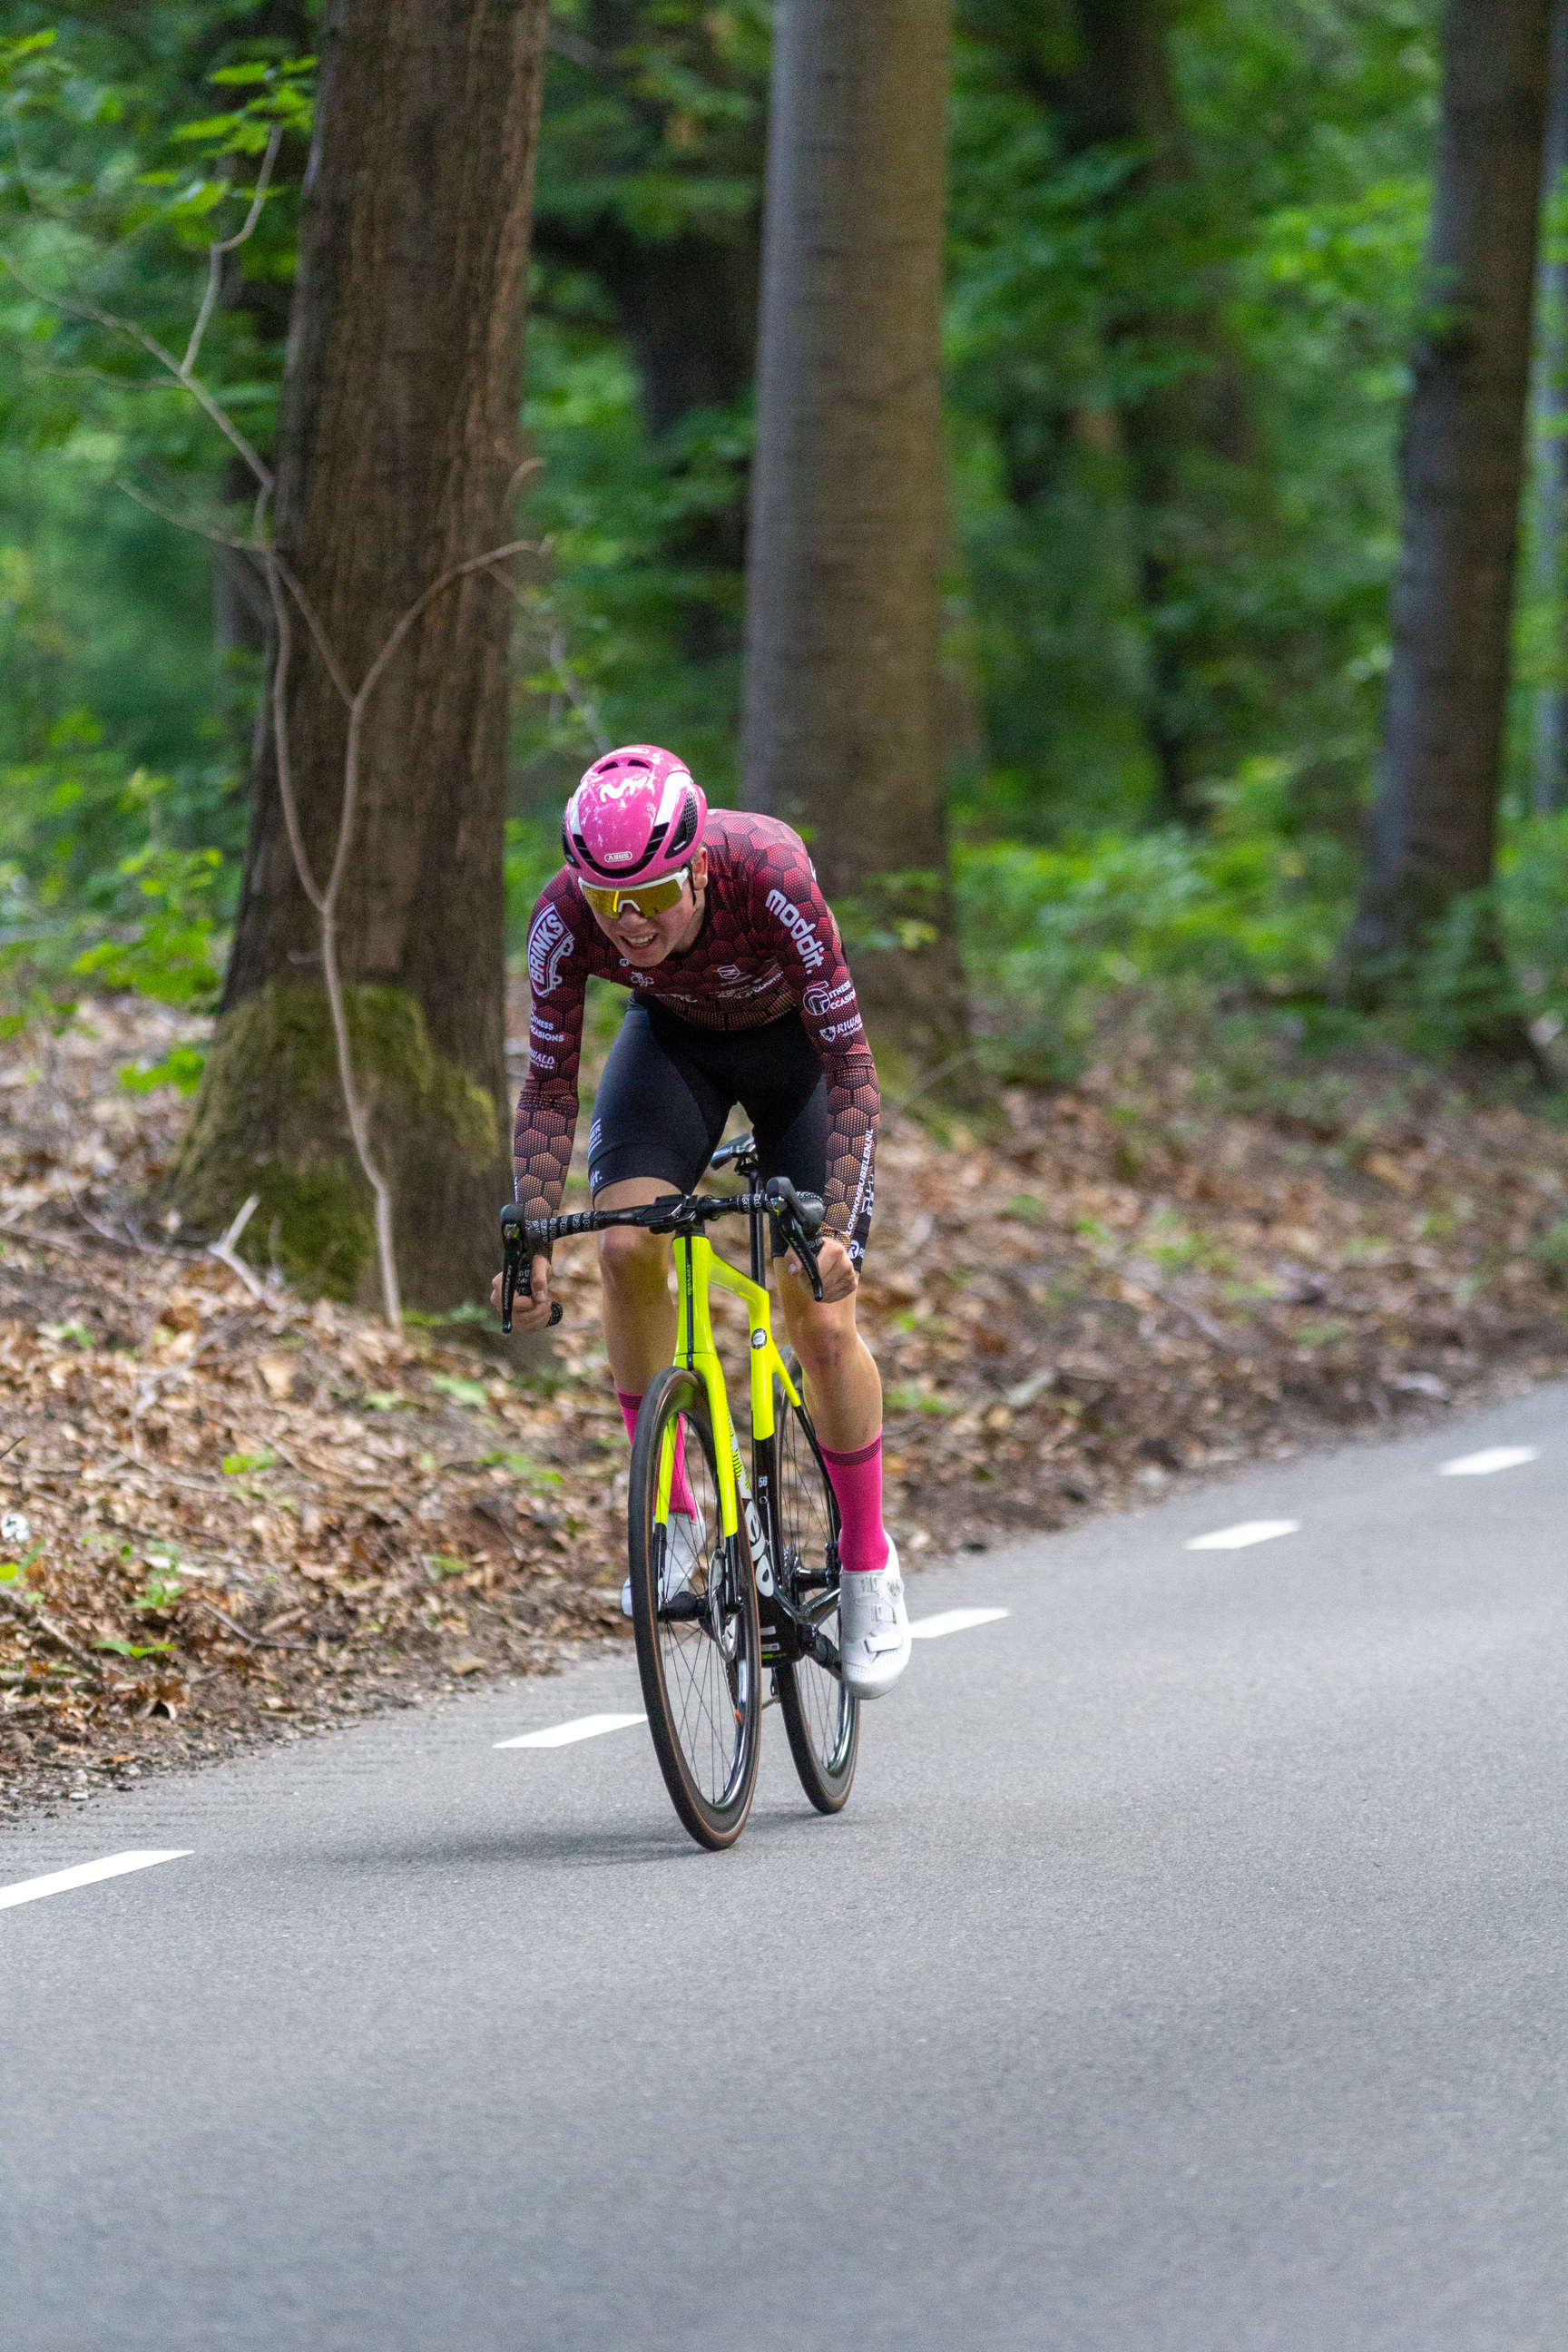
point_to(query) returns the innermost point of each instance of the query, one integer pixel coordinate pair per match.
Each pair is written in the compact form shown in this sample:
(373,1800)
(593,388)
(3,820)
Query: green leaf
(237,1465)
(465,1391)
(181,1068)
(125,1649)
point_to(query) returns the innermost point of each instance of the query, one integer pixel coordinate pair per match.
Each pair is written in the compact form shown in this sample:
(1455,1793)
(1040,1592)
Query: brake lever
(516,1273)
(804,1244)
(806,1252)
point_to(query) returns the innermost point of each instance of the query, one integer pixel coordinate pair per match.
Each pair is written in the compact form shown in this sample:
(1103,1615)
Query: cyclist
(713,919)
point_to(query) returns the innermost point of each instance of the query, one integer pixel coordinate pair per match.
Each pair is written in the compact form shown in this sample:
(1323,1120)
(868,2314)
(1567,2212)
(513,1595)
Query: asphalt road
(1187,1971)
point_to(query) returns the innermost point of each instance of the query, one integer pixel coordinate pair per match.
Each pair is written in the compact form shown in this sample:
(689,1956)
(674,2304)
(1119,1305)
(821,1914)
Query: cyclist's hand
(528,1314)
(835,1270)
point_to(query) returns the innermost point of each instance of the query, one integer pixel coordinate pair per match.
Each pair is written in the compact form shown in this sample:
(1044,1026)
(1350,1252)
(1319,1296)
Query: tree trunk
(397,451)
(684,282)
(842,728)
(1435,821)
(1548,745)
(1194,469)
(688,306)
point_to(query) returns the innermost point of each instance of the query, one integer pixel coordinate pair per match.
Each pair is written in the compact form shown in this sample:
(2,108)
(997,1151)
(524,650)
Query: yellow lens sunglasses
(651,898)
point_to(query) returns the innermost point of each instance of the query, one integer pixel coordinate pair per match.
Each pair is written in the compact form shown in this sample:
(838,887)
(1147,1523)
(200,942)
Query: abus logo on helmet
(801,930)
(820,1001)
(549,944)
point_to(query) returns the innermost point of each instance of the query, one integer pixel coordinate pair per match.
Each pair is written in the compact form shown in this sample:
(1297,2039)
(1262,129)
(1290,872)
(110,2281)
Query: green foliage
(169,955)
(1081,284)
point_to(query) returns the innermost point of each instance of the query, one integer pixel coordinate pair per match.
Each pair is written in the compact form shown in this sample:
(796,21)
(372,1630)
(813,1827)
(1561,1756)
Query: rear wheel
(694,1612)
(822,1720)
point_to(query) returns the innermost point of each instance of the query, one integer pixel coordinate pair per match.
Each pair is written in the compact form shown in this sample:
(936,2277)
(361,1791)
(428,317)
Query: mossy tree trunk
(398,448)
(1435,822)
(843,722)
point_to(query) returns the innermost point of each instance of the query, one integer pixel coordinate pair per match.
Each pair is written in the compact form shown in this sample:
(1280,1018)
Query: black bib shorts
(670,1087)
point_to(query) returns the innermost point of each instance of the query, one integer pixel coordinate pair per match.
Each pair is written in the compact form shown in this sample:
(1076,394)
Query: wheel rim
(826,1708)
(705,1658)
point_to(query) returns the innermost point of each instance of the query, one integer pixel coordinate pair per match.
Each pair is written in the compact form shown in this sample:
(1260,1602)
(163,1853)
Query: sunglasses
(652,898)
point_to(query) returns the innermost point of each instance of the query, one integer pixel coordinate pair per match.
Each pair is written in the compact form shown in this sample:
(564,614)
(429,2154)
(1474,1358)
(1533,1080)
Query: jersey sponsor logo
(757,987)
(865,1191)
(596,1136)
(727,971)
(549,944)
(801,929)
(840,1029)
(820,1000)
(542,1028)
(543,1061)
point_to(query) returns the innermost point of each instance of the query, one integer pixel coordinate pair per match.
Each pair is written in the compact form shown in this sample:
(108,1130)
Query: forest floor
(231,1512)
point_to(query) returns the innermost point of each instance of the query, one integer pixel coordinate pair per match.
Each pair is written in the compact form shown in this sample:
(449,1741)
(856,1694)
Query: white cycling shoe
(873,1627)
(685,1551)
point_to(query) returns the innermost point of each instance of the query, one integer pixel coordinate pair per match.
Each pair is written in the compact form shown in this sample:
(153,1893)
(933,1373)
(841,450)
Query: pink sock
(857,1480)
(680,1495)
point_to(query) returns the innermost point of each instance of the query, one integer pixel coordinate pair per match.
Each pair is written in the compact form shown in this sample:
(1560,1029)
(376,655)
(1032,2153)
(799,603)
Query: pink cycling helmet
(637,817)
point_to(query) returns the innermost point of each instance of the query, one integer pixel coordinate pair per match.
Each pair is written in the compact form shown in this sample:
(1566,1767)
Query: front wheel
(694,1612)
(821,1719)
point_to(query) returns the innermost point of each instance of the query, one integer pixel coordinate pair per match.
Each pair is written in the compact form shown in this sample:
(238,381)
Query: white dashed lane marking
(563,1735)
(1246,1531)
(1482,1465)
(954,1620)
(113,1866)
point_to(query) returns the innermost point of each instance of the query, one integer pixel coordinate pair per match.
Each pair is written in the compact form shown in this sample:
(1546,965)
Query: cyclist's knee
(825,1337)
(630,1259)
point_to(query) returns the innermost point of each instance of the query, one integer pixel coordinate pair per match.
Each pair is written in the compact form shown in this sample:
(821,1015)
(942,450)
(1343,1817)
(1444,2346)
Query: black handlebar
(798,1216)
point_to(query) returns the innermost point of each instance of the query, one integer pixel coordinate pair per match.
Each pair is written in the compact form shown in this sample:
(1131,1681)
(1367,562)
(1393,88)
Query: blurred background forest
(1177,323)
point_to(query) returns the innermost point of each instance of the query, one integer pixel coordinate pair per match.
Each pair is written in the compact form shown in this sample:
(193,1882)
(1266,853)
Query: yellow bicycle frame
(697,1266)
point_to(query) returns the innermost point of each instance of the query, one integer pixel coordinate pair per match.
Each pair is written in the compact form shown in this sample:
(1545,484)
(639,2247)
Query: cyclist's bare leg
(846,1398)
(843,1387)
(638,1303)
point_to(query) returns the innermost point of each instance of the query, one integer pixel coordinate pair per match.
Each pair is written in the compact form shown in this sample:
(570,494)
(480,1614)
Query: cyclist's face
(645,940)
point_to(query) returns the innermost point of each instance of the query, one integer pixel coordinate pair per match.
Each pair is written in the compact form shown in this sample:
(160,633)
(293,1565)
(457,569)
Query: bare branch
(373,676)
(188,523)
(227,245)
(280,622)
(107,319)
(323,901)
(555,654)
(323,644)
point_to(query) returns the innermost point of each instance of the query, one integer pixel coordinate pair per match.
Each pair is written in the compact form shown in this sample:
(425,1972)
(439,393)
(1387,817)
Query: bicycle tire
(701,1667)
(821,1720)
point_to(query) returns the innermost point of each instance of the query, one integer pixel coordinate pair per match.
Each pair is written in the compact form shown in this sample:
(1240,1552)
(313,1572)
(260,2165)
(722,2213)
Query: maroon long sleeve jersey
(768,944)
